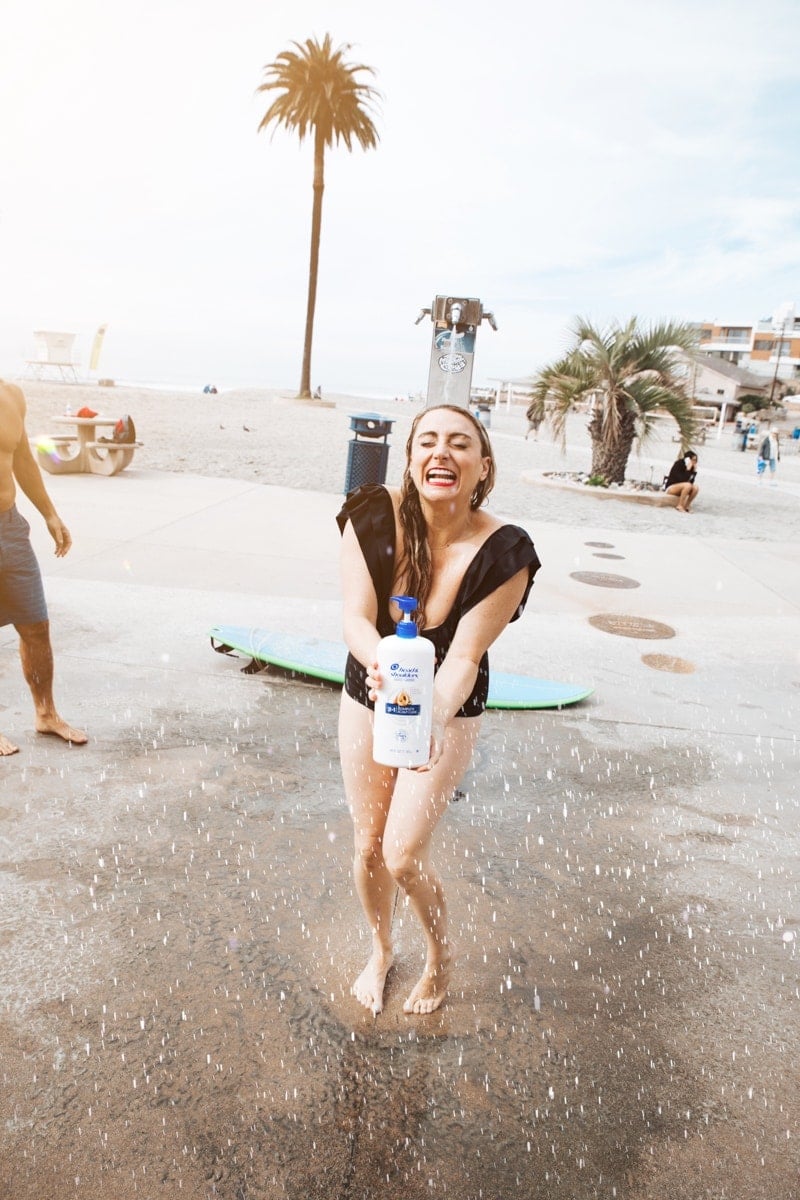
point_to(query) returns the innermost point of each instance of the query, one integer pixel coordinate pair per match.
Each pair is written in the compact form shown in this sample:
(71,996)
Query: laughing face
(446,458)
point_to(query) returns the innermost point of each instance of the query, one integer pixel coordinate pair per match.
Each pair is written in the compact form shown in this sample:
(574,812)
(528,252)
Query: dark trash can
(367,456)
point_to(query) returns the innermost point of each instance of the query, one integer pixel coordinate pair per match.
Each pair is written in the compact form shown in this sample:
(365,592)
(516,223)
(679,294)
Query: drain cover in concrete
(599,579)
(632,627)
(599,554)
(667,662)
(601,545)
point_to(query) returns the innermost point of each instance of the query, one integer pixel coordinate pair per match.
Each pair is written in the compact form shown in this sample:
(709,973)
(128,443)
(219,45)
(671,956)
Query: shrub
(752,403)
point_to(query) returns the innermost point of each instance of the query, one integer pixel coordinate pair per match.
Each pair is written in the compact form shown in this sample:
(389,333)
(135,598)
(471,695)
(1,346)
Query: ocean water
(229,385)
(186,387)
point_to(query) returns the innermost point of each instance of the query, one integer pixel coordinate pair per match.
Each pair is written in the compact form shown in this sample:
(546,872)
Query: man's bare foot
(60,728)
(7,747)
(431,989)
(368,988)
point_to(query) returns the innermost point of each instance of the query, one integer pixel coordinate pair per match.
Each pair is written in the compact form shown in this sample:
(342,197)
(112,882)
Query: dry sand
(265,436)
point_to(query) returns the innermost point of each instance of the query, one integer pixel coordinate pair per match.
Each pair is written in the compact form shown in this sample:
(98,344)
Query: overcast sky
(607,158)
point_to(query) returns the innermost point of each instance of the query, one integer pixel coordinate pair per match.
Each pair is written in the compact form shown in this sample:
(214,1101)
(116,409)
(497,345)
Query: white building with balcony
(770,347)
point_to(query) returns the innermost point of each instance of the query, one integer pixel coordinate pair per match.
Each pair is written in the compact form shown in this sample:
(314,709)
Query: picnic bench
(701,433)
(83,450)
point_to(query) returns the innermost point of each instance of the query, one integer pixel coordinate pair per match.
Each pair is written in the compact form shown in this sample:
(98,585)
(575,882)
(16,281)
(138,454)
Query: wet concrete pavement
(179,930)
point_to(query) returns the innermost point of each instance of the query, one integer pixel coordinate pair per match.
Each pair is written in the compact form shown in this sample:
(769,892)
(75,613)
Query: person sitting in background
(681,480)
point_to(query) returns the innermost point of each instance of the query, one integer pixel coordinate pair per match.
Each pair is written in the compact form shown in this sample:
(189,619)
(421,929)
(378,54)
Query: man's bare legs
(394,815)
(7,747)
(36,654)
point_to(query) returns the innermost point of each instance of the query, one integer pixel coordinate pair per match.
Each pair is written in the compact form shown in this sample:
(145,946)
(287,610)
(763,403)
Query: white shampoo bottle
(404,707)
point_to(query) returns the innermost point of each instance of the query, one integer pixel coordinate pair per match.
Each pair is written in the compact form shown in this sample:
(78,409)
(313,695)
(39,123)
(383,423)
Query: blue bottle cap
(406,628)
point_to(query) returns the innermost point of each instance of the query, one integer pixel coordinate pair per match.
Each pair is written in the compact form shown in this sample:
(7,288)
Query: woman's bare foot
(368,988)
(7,747)
(431,989)
(60,728)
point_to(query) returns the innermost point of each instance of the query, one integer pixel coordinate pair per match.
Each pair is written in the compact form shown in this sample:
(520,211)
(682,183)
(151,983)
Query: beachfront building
(718,387)
(715,383)
(769,348)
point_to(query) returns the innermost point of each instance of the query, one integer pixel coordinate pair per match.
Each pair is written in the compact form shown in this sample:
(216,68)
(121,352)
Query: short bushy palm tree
(319,95)
(628,374)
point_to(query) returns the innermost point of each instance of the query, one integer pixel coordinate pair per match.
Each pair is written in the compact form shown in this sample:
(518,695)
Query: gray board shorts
(22,599)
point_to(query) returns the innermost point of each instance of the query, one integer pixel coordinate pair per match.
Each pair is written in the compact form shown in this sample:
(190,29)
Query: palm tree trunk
(610,453)
(313,266)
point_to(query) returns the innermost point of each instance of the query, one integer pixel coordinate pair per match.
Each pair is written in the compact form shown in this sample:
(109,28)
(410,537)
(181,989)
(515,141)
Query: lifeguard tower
(53,354)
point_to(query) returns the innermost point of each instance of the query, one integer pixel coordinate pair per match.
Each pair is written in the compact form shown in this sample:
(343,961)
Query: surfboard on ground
(323,659)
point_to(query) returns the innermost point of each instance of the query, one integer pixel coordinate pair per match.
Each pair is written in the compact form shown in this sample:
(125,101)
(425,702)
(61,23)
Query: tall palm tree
(319,94)
(628,374)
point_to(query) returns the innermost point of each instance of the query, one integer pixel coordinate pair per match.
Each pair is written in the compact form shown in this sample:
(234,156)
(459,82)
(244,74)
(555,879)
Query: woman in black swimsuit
(471,575)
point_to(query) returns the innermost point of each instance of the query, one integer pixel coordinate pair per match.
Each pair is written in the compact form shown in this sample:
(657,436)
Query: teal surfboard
(325,660)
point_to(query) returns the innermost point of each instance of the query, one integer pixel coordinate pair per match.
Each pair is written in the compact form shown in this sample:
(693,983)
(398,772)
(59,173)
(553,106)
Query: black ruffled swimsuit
(504,553)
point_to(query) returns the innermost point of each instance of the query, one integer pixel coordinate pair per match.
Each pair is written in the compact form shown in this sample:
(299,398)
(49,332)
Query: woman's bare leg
(683,492)
(368,789)
(420,798)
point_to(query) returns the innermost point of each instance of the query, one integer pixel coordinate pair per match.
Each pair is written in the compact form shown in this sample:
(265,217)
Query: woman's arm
(359,602)
(474,634)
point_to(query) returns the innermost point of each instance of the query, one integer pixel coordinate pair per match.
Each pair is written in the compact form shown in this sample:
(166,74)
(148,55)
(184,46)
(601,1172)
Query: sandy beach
(267,437)
(178,926)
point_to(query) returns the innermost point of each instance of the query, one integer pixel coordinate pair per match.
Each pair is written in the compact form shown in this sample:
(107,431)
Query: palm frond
(321,94)
(629,371)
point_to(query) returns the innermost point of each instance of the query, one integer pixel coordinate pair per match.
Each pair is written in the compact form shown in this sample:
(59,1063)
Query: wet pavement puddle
(180,934)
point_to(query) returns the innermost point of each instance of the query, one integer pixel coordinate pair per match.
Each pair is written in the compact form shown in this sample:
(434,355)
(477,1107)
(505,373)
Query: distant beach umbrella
(97,346)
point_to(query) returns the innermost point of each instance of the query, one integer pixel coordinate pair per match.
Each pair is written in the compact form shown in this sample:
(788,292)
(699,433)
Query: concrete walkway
(179,554)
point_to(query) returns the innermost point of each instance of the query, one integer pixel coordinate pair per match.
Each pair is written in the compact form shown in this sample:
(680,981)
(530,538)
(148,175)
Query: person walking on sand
(471,575)
(681,480)
(769,454)
(22,602)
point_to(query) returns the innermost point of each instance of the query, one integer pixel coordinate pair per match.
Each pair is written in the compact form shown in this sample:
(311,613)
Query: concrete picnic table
(82,451)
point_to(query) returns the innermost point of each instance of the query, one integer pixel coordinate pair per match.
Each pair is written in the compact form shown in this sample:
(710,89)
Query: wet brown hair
(416,568)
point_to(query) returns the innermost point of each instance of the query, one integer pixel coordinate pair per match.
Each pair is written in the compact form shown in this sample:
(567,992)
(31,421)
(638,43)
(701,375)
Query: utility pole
(777,363)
